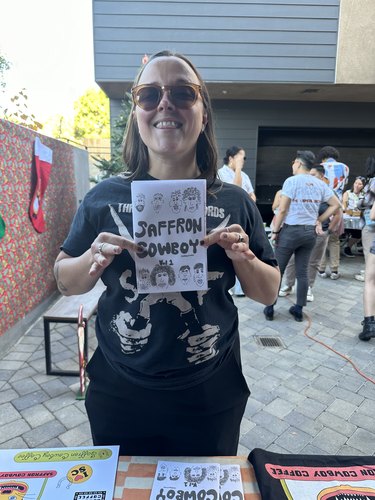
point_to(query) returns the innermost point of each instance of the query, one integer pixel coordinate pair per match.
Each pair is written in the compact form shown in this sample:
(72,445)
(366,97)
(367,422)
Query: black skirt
(203,420)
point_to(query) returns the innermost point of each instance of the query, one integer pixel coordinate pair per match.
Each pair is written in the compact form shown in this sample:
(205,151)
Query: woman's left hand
(233,239)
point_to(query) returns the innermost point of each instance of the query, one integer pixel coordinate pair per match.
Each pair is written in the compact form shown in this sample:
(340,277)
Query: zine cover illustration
(169,223)
(196,481)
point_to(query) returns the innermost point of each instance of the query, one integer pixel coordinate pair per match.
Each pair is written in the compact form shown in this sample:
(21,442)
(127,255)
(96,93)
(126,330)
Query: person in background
(166,377)
(368,322)
(319,248)
(350,200)
(337,174)
(296,224)
(232,170)
(232,173)
(365,204)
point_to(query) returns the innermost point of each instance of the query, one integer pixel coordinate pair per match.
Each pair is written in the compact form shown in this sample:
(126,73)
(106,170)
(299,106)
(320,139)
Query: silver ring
(240,238)
(227,229)
(100,248)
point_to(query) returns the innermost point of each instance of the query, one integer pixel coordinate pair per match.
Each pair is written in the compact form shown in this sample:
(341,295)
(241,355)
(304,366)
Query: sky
(49,44)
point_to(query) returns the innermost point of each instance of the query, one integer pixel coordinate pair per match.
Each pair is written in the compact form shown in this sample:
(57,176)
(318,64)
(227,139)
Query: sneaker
(298,315)
(268,313)
(348,252)
(335,276)
(322,274)
(285,290)
(310,296)
(359,277)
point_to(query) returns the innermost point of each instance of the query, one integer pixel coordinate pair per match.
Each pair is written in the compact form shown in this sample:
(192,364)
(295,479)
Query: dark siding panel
(268,41)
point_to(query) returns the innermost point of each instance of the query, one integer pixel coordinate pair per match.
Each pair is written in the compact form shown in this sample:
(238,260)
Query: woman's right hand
(104,249)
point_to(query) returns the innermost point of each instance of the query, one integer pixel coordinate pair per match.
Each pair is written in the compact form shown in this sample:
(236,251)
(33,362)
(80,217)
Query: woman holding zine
(166,377)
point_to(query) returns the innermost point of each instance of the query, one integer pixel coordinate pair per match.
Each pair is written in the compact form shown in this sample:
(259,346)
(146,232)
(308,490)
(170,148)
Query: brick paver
(305,398)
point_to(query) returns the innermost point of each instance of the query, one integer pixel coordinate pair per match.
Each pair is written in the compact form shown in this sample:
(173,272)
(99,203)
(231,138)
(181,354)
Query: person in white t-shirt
(297,223)
(231,172)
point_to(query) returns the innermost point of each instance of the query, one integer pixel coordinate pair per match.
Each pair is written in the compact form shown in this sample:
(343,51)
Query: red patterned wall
(27,257)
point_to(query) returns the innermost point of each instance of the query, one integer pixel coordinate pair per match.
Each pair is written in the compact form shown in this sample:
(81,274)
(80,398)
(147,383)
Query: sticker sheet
(59,473)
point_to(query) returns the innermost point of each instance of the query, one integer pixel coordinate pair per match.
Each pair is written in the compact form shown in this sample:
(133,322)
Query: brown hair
(135,152)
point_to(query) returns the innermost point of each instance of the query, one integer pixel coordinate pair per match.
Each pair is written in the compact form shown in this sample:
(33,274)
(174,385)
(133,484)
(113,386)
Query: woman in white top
(350,200)
(232,173)
(352,196)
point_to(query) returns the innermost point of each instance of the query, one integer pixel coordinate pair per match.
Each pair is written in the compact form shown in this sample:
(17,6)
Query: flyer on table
(59,473)
(169,223)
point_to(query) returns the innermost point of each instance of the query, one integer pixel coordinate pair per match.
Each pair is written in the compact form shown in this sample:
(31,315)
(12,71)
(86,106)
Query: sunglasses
(148,96)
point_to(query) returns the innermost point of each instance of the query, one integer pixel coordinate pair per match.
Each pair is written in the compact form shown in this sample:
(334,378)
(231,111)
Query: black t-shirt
(174,339)
(313,477)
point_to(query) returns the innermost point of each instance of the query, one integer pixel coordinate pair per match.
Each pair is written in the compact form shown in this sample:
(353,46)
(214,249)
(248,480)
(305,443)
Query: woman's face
(238,160)
(357,186)
(167,131)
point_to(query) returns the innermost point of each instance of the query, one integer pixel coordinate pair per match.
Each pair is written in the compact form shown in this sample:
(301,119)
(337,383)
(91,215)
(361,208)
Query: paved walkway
(305,398)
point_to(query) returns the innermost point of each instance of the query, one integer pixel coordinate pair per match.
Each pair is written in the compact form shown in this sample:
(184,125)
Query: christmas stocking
(43,163)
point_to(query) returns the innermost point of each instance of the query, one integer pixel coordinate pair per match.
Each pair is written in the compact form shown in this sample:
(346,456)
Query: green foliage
(115,164)
(91,117)
(17,111)
(4,66)
(61,127)
(20,113)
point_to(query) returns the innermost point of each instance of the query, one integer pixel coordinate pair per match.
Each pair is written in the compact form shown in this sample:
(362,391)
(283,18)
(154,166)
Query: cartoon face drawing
(176,201)
(184,274)
(140,202)
(224,475)
(13,490)
(174,473)
(162,276)
(196,473)
(144,278)
(212,473)
(162,472)
(198,274)
(191,199)
(234,474)
(157,202)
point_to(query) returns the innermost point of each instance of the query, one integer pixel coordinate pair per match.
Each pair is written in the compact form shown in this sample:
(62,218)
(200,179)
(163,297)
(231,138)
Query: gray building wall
(243,41)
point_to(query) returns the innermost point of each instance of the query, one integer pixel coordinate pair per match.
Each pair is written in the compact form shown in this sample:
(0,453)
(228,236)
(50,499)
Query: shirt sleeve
(81,234)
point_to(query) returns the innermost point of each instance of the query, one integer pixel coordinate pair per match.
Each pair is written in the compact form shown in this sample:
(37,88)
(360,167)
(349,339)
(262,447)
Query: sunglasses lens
(148,98)
(183,96)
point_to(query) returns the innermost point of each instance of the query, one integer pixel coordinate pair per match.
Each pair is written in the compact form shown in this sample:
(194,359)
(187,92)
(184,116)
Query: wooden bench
(65,310)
